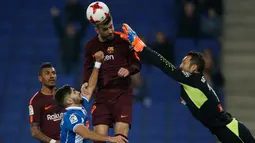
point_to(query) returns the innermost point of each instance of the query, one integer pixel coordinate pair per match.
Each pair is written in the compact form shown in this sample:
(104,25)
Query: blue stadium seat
(4,51)
(10,133)
(5,27)
(65,80)
(137,120)
(180,123)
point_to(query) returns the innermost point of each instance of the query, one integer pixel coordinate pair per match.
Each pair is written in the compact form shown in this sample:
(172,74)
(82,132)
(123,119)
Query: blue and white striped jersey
(72,117)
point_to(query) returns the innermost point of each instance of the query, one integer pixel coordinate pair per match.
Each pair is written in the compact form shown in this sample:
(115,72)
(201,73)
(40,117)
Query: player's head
(106,29)
(193,62)
(70,29)
(47,75)
(67,96)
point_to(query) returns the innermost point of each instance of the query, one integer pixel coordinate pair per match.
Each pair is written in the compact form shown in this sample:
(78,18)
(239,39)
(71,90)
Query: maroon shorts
(110,112)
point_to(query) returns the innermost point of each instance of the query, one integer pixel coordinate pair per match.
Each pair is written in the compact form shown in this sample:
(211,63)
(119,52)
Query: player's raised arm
(168,68)
(157,60)
(99,57)
(88,63)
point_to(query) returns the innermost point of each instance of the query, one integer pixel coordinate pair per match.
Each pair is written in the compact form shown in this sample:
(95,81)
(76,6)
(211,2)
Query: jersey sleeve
(85,102)
(169,69)
(88,63)
(134,62)
(34,111)
(72,120)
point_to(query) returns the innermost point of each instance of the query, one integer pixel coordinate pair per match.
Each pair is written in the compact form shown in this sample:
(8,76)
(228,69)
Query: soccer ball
(97,12)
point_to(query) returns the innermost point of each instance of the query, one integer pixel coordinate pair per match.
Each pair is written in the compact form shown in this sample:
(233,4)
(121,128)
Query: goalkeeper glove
(131,36)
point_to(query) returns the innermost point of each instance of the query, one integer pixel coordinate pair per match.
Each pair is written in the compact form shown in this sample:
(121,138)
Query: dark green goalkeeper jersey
(196,93)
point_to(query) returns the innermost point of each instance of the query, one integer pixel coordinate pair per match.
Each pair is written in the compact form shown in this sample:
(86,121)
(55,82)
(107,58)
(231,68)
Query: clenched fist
(99,56)
(123,72)
(84,89)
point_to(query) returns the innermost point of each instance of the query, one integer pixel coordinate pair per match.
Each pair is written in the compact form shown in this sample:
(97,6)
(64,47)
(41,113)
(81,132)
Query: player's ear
(69,101)
(40,78)
(97,29)
(194,68)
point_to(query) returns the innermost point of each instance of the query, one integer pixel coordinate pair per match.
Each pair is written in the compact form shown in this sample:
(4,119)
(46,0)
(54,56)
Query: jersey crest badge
(110,50)
(73,119)
(31,110)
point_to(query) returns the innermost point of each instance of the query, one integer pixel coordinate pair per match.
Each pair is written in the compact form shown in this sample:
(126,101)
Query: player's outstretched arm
(92,83)
(155,58)
(168,68)
(88,134)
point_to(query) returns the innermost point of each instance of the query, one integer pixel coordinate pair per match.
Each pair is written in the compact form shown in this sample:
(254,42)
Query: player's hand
(123,72)
(54,11)
(118,139)
(57,141)
(99,56)
(84,89)
(132,37)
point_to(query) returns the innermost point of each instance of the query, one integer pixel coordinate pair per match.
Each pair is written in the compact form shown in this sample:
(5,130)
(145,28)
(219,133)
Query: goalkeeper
(196,93)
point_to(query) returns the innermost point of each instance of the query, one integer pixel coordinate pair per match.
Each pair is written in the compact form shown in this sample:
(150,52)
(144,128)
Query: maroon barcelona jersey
(44,111)
(117,55)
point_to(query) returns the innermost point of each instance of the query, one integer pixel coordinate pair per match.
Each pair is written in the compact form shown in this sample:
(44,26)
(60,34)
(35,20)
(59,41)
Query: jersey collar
(74,108)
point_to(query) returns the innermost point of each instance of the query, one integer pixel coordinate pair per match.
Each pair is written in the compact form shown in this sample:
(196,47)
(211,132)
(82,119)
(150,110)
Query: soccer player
(196,93)
(114,98)
(73,125)
(45,115)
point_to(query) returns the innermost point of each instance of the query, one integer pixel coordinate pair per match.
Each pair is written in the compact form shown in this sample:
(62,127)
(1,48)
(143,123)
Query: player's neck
(47,91)
(101,39)
(75,105)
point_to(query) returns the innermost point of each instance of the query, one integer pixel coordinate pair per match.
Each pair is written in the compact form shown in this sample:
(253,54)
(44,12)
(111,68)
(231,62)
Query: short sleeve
(34,112)
(85,102)
(72,120)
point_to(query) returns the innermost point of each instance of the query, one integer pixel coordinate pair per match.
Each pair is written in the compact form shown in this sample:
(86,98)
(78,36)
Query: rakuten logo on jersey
(108,57)
(55,117)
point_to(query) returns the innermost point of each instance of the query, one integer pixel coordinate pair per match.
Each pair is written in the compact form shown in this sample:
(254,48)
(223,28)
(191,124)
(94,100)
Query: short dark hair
(198,59)
(61,94)
(43,66)
(106,22)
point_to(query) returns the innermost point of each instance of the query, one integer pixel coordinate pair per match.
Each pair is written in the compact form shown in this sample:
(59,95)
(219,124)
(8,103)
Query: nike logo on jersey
(93,109)
(47,107)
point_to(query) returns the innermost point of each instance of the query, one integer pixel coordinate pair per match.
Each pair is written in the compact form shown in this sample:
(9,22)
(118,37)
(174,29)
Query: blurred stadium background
(224,31)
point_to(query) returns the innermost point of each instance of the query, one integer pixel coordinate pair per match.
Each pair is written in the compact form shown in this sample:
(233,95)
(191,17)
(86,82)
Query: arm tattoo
(36,133)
